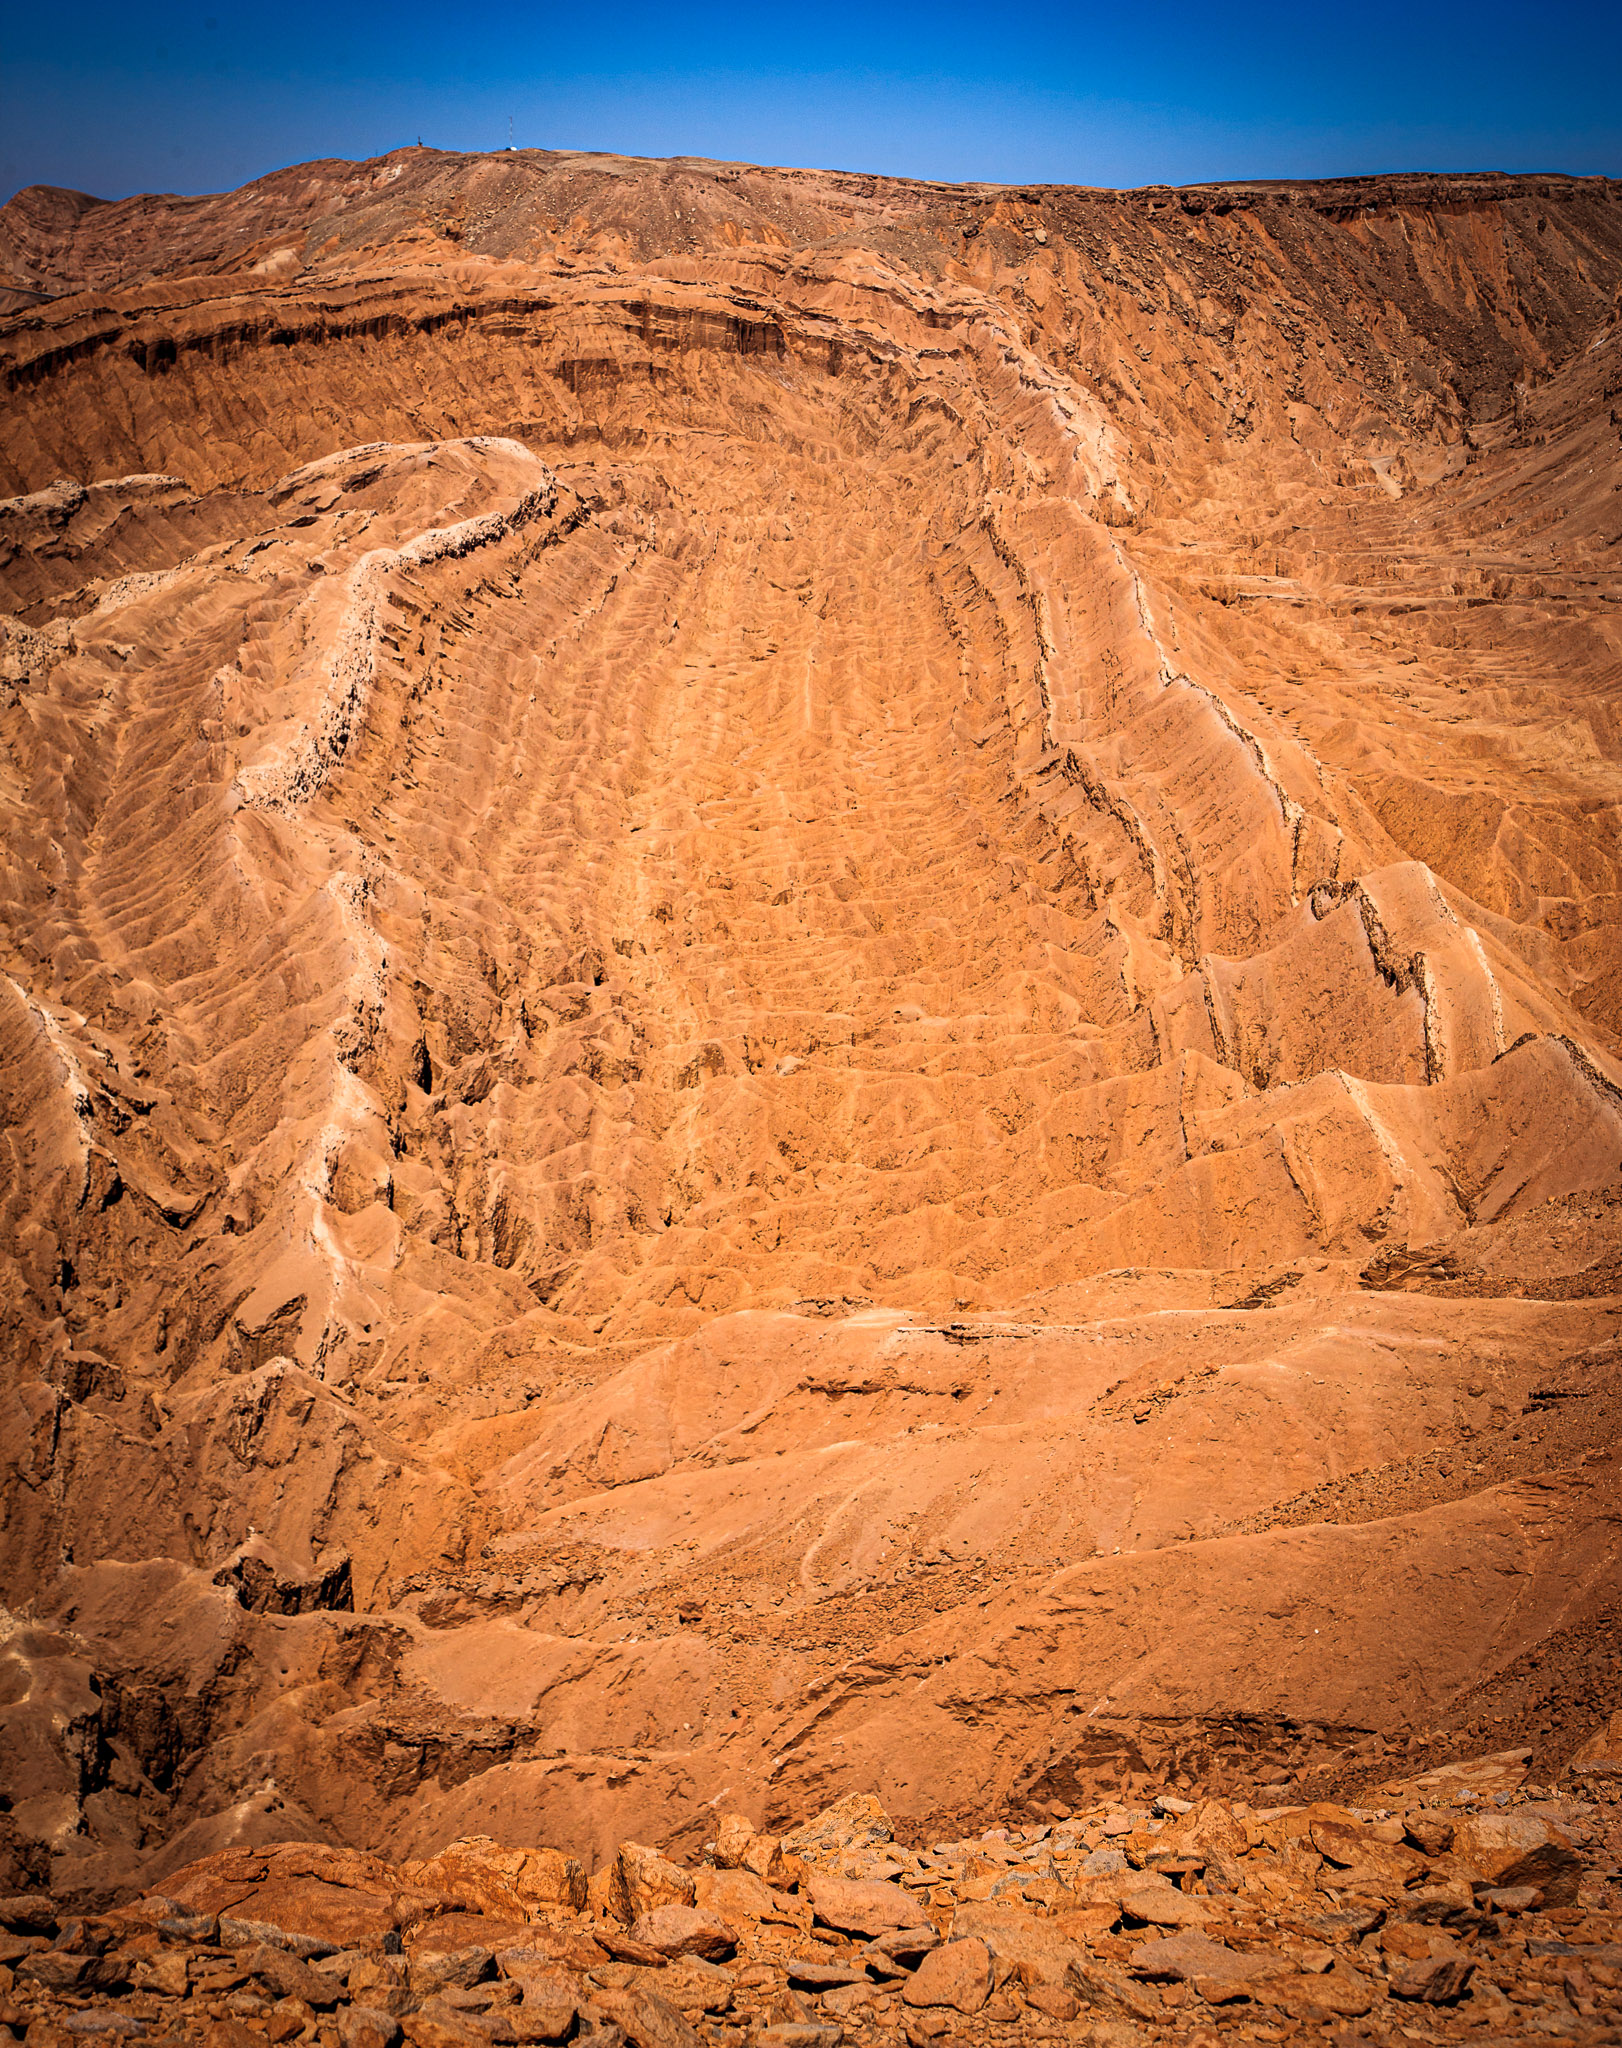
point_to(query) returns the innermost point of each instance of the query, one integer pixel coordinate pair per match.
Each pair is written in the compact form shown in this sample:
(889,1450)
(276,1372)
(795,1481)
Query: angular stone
(1162,1905)
(736,1894)
(1345,1923)
(1111,1991)
(691,1985)
(734,1838)
(28,1913)
(866,1906)
(1600,1756)
(1485,1776)
(238,1930)
(806,1975)
(1429,1833)
(1222,1990)
(548,2018)
(1435,1980)
(462,2003)
(456,1969)
(1187,1956)
(165,1973)
(647,2020)
(685,1931)
(624,1947)
(1402,1938)
(1365,1862)
(1083,1923)
(380,1981)
(313,1915)
(61,1970)
(284,1976)
(1344,1994)
(484,1877)
(640,1879)
(1042,1952)
(442,2030)
(445,1932)
(906,1944)
(548,1951)
(1206,1829)
(234,2034)
(855,1822)
(1517,1848)
(365,2026)
(957,1974)
(537,1971)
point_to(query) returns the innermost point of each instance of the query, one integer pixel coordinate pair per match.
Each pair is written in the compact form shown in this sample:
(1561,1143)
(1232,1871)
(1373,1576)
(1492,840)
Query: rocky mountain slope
(810,985)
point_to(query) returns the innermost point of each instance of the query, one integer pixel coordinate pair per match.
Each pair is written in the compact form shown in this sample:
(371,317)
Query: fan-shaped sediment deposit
(810,984)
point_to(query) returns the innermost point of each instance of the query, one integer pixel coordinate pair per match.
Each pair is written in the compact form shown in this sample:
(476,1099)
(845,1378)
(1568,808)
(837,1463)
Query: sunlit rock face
(810,984)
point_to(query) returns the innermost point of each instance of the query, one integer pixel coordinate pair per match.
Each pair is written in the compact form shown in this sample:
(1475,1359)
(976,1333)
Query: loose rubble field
(1466,1905)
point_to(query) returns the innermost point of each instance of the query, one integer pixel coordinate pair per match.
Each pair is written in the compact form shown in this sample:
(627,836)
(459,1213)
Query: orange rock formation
(810,984)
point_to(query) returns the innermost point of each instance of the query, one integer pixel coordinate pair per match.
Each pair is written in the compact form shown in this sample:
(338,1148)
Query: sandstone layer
(810,985)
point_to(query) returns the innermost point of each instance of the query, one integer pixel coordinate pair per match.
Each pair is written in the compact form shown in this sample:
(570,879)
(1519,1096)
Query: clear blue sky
(198,95)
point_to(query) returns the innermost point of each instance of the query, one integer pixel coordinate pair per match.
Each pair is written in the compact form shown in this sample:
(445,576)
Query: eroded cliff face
(809,983)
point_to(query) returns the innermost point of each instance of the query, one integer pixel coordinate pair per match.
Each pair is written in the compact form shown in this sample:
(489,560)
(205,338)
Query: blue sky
(198,96)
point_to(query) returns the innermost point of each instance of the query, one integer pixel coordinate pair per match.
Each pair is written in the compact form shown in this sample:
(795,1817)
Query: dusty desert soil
(810,986)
